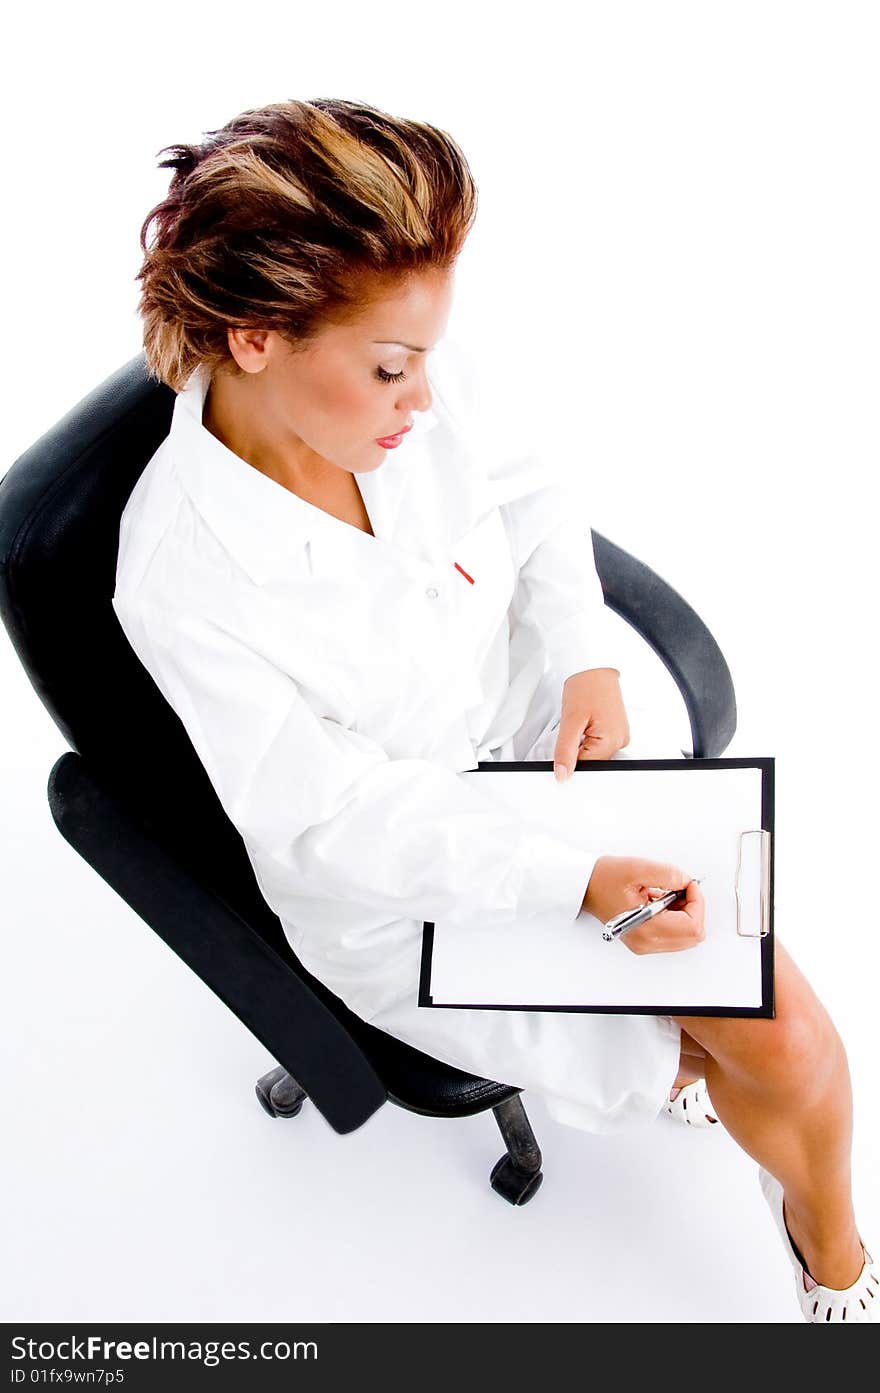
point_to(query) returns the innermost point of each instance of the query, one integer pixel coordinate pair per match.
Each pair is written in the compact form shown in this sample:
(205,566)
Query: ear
(249,347)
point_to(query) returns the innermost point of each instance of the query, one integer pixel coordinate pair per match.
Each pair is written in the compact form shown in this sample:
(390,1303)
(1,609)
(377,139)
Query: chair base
(516,1176)
(280,1094)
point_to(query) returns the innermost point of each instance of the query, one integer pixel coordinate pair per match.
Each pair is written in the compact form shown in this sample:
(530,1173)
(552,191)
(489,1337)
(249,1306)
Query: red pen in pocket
(464,573)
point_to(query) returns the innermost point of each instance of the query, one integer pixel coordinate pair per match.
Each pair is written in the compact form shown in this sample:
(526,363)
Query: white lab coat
(335,684)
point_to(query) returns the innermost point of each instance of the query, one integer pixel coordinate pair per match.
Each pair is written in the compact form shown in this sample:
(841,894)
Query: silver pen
(631,918)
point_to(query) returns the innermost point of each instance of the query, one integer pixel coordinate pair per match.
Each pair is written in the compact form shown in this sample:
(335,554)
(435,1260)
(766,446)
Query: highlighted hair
(290,217)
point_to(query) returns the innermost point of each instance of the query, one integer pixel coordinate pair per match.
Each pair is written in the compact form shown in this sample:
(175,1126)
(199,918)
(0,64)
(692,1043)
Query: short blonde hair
(290,217)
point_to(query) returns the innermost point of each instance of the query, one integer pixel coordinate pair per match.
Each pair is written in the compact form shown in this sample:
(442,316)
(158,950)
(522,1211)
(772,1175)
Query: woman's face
(296,413)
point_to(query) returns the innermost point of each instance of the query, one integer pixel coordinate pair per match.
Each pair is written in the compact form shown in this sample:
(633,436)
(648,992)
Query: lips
(396,434)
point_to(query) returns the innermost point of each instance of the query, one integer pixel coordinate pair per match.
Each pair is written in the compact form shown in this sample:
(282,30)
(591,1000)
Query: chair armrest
(680,639)
(266,994)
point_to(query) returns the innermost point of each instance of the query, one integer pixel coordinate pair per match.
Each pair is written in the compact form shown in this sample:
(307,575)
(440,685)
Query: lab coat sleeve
(558,591)
(343,819)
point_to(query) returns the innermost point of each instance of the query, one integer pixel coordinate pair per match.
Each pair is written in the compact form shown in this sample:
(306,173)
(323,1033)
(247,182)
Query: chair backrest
(60,508)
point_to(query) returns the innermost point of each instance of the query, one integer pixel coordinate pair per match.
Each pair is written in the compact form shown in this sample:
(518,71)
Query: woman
(351,590)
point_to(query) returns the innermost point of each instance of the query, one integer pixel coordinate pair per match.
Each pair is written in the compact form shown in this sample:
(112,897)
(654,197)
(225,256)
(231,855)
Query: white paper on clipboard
(705,820)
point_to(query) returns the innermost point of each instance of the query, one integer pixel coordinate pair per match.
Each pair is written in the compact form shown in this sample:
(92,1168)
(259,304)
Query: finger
(677,918)
(694,894)
(658,939)
(690,896)
(609,733)
(568,740)
(651,874)
(680,923)
(597,747)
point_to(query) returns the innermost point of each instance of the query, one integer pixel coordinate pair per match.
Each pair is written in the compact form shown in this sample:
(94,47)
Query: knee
(802,1050)
(795,1040)
(798,1052)
(803,1047)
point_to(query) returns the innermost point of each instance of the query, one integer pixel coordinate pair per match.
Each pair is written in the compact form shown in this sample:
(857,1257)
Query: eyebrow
(397,342)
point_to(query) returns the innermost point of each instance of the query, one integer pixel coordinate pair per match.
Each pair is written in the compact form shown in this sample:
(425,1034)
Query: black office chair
(132,797)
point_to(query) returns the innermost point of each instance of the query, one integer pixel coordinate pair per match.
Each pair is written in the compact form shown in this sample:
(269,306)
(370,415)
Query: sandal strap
(692,1105)
(850,1303)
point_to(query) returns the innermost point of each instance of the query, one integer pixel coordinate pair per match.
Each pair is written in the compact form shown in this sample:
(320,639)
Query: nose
(419,397)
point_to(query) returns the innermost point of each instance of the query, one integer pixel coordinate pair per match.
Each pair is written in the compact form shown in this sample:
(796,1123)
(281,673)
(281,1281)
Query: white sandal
(692,1105)
(819,1304)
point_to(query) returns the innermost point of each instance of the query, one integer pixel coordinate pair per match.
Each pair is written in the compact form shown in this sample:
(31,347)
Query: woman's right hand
(624,882)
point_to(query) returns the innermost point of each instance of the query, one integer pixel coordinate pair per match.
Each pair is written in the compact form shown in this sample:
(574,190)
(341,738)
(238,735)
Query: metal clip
(753,880)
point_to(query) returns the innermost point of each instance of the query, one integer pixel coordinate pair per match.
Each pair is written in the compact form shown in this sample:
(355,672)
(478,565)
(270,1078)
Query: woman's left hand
(594,723)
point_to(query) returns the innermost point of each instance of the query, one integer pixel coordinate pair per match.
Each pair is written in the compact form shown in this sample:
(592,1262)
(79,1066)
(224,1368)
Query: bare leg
(782,1090)
(691,1065)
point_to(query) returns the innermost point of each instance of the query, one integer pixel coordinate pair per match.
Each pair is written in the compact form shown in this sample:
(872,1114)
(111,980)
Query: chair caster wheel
(279,1094)
(516,1186)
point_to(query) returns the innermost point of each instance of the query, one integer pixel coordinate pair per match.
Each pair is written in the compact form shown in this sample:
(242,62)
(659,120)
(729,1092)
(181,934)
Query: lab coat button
(432,592)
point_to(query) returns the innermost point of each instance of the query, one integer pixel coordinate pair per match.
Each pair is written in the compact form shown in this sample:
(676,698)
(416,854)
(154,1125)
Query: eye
(384,376)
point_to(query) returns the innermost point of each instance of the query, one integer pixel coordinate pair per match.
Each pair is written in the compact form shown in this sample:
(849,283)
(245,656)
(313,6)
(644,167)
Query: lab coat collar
(263,524)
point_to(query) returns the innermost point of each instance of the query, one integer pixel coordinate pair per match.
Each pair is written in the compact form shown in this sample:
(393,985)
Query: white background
(676,254)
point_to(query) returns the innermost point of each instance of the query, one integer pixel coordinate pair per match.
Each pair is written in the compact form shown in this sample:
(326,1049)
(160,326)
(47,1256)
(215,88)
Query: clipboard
(712,817)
